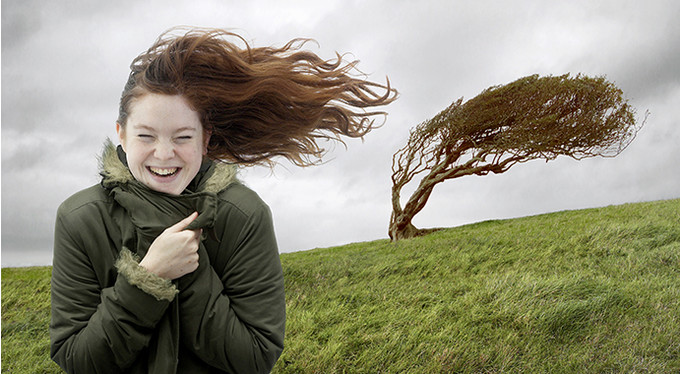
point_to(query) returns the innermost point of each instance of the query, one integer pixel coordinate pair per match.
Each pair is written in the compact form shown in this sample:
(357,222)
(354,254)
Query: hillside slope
(594,290)
(586,291)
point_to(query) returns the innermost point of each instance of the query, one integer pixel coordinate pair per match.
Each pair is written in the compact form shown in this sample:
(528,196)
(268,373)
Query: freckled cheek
(188,158)
(193,152)
(138,157)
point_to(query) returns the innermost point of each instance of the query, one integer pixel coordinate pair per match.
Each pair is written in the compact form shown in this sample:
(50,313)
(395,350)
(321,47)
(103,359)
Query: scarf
(149,213)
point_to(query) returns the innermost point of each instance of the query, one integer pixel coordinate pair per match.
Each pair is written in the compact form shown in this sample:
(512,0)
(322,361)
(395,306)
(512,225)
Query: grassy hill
(588,291)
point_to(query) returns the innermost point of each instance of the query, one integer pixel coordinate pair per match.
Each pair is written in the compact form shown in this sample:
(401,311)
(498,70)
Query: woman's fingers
(174,252)
(181,225)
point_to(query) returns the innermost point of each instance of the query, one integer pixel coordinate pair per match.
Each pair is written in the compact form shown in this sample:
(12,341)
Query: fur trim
(110,166)
(223,176)
(160,288)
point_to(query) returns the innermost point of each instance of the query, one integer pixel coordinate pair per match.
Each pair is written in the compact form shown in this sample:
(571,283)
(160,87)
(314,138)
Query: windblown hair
(258,103)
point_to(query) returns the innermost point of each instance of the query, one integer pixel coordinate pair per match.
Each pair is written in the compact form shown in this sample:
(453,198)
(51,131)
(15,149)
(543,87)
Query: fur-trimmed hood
(212,177)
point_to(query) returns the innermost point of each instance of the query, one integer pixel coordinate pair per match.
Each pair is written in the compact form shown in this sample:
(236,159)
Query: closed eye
(184,138)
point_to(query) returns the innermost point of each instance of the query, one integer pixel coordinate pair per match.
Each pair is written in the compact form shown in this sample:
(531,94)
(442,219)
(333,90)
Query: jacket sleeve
(97,328)
(235,320)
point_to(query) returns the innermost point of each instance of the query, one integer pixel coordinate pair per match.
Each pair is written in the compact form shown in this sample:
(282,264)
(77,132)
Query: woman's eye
(144,136)
(184,138)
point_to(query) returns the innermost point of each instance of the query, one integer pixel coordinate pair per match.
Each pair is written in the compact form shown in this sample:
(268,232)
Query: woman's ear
(120,130)
(206,141)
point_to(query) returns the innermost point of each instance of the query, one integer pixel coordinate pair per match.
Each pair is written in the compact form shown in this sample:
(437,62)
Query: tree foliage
(531,118)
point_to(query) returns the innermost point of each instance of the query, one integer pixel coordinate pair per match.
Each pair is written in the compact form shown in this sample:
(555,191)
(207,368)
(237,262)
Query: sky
(64,64)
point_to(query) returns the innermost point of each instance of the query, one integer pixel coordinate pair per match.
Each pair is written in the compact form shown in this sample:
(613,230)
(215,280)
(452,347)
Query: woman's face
(164,142)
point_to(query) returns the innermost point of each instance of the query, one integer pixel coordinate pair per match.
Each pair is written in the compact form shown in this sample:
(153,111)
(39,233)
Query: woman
(170,264)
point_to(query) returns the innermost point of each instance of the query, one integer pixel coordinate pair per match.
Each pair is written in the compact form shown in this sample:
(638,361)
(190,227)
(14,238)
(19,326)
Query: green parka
(109,315)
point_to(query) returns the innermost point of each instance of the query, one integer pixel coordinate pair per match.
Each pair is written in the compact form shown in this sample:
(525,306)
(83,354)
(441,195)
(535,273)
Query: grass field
(588,291)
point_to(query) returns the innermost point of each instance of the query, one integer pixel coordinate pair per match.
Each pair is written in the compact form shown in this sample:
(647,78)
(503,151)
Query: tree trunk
(402,228)
(400,221)
(408,231)
(404,232)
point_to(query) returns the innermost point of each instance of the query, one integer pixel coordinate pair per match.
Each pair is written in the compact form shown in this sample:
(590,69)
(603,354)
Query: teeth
(163,171)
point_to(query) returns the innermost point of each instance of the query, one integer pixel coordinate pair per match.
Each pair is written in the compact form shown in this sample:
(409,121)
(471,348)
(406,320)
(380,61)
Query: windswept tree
(531,118)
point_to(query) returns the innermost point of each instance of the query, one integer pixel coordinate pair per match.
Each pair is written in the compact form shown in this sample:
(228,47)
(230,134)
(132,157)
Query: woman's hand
(174,252)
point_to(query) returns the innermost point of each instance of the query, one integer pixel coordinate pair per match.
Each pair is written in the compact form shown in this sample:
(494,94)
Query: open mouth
(163,172)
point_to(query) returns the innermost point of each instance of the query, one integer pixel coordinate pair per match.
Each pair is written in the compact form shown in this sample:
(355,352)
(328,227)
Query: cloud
(64,65)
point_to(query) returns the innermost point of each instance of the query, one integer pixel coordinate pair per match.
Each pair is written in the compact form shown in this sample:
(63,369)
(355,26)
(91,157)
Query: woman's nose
(164,151)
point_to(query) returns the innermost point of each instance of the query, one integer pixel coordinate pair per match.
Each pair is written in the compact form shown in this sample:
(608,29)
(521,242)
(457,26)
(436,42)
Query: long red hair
(258,103)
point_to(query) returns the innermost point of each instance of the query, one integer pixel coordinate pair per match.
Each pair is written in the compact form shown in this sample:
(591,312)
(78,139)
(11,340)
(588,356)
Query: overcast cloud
(64,64)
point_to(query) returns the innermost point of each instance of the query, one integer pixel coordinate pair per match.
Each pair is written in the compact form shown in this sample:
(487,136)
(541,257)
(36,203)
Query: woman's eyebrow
(143,127)
(149,128)
(187,128)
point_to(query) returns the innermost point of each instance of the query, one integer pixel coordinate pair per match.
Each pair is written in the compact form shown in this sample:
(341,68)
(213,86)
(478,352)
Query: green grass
(25,317)
(588,291)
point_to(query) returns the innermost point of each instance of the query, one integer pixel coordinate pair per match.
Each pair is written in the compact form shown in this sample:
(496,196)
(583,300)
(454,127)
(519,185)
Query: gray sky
(64,64)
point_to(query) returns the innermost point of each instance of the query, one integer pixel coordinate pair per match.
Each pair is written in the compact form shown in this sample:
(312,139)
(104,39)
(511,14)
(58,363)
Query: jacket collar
(212,177)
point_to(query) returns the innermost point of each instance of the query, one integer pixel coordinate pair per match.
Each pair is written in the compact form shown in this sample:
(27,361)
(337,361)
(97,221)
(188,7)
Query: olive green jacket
(109,315)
